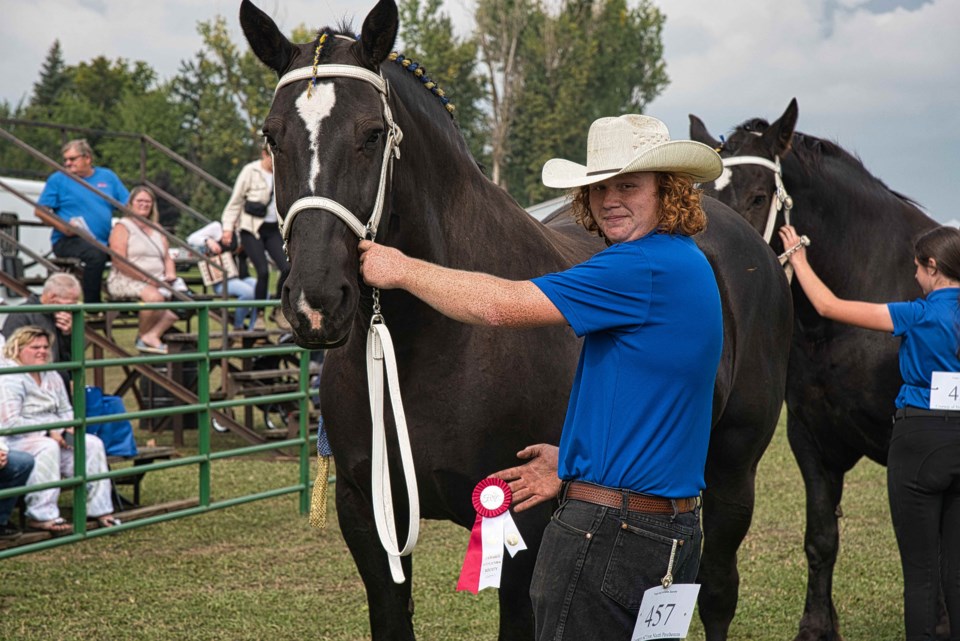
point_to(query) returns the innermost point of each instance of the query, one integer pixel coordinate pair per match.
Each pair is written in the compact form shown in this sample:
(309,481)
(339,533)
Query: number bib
(945,391)
(665,613)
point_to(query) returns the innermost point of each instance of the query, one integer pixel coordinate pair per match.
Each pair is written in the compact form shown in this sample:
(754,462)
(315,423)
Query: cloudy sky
(881,77)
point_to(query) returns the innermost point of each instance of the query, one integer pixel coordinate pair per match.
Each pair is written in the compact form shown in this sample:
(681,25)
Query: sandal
(108,520)
(54,526)
(151,349)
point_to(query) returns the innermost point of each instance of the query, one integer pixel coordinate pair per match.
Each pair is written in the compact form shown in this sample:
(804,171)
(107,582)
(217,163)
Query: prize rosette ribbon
(493,530)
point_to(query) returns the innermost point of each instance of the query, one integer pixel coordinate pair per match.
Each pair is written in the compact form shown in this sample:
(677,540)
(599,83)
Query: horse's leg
(391,605)
(728,505)
(823,479)
(516,611)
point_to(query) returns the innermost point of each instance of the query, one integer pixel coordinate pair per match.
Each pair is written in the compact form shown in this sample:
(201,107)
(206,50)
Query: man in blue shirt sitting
(634,442)
(84,210)
(15,468)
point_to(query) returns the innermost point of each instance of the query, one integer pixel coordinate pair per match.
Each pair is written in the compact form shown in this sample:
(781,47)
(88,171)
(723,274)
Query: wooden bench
(145,455)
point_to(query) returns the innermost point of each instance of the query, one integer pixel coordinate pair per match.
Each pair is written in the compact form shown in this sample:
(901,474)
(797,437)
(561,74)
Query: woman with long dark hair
(923,463)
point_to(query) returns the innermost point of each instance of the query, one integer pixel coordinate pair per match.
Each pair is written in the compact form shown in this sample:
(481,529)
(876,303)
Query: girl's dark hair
(942,244)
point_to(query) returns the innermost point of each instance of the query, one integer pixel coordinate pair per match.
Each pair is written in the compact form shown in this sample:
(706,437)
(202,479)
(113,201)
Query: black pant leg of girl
(273,243)
(253,247)
(922,479)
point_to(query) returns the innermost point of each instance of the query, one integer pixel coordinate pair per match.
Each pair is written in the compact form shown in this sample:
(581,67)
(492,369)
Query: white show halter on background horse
(380,352)
(781,200)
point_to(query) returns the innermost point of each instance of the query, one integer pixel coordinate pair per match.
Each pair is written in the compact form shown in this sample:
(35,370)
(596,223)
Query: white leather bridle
(781,200)
(380,352)
(391,150)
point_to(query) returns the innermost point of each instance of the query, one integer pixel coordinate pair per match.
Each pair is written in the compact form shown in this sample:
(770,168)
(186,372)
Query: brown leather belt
(607,497)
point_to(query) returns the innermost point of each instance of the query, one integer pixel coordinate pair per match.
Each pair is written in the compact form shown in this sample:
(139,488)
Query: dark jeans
(14,474)
(256,248)
(94,261)
(923,479)
(596,562)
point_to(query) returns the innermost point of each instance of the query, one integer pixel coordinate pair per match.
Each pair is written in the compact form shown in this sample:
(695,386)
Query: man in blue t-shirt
(82,209)
(634,441)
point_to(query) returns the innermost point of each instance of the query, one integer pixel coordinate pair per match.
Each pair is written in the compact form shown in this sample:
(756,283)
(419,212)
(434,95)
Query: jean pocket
(639,561)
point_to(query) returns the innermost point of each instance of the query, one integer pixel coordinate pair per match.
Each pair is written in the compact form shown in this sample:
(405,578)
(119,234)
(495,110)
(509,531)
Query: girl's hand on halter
(791,239)
(381,266)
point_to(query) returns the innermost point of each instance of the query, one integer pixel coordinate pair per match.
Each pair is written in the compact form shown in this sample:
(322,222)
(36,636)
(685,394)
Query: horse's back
(757,317)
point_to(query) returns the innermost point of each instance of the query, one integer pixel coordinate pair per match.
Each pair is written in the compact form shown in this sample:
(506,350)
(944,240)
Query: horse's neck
(449,213)
(858,226)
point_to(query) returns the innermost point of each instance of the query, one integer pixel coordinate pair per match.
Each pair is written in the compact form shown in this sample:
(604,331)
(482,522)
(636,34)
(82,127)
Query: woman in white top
(148,249)
(37,398)
(259,233)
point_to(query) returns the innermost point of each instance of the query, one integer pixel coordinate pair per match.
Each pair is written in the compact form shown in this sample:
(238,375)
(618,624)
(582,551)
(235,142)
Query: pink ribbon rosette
(493,530)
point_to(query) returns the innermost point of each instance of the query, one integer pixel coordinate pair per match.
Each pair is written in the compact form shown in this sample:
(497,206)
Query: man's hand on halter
(381,266)
(535,481)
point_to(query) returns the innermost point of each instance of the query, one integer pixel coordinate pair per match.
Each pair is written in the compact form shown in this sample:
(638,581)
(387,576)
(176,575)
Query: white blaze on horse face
(314,317)
(720,183)
(312,111)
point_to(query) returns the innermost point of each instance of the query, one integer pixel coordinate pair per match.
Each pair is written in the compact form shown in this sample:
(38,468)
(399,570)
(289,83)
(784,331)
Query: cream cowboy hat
(633,143)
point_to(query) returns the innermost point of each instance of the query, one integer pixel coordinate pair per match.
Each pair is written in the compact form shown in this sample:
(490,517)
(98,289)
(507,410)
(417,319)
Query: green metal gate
(80,366)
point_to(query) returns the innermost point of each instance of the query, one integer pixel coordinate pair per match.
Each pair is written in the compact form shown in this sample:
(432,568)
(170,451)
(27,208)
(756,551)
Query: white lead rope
(380,354)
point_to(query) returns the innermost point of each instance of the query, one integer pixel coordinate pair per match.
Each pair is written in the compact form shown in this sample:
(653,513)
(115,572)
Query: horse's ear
(379,33)
(699,133)
(268,44)
(779,135)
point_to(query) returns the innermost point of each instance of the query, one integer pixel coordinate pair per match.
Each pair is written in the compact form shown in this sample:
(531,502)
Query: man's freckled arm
(469,297)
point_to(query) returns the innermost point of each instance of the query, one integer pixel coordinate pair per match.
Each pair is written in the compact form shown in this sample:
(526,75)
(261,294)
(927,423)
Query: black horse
(842,380)
(474,396)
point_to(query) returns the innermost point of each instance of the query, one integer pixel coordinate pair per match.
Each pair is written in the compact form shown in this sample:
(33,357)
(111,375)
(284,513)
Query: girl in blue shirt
(923,462)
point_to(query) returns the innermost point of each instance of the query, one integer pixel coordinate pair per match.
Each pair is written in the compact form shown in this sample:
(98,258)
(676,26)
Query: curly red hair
(680,208)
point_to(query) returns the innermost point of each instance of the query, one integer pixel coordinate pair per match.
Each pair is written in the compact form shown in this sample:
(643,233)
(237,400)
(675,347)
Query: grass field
(258,571)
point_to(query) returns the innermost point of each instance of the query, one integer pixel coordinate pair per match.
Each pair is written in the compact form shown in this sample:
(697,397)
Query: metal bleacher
(18,259)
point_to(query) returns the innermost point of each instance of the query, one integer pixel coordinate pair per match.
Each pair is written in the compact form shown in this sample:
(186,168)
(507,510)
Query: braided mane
(414,67)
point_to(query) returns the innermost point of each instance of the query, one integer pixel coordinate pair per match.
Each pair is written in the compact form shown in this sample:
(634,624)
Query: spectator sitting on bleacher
(207,240)
(59,289)
(82,209)
(148,250)
(37,398)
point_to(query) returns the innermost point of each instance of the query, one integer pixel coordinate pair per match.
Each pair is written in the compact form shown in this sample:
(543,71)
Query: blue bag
(117,436)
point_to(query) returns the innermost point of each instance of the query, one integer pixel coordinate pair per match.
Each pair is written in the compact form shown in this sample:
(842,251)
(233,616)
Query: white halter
(391,150)
(380,353)
(782,200)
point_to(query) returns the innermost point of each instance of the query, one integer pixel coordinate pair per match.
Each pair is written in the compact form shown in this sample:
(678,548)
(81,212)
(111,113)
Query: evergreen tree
(52,78)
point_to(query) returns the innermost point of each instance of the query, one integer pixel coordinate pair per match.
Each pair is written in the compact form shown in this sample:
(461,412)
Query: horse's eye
(758,200)
(272,131)
(372,140)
